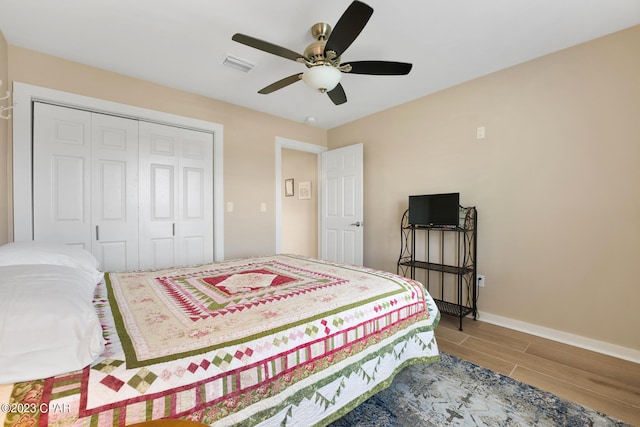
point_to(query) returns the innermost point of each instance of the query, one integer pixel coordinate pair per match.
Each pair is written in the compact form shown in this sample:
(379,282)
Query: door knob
(358,224)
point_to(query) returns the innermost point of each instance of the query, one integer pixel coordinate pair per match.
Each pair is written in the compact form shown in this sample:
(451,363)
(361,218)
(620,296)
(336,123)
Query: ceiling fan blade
(266,46)
(281,83)
(337,95)
(380,68)
(348,27)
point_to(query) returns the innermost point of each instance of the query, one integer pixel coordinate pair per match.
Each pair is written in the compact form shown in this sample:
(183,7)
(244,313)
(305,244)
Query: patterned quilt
(279,340)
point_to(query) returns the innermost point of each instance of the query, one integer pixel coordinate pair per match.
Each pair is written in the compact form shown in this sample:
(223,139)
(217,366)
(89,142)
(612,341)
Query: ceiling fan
(322,57)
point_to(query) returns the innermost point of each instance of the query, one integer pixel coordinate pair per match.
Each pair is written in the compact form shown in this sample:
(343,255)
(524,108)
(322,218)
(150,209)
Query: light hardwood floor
(600,382)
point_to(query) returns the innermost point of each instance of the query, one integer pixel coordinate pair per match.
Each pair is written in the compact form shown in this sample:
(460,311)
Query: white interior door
(61,175)
(114,192)
(85,183)
(176,196)
(342,221)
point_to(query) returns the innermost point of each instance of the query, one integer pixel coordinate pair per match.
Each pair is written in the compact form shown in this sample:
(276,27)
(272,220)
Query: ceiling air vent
(238,63)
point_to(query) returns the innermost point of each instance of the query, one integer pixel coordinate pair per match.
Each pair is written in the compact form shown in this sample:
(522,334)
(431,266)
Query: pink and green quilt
(278,340)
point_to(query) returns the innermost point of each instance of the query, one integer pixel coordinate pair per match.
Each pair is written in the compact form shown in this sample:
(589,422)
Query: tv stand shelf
(453,309)
(437,267)
(453,243)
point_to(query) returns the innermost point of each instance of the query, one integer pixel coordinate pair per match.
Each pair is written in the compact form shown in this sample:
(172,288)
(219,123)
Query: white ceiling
(182,43)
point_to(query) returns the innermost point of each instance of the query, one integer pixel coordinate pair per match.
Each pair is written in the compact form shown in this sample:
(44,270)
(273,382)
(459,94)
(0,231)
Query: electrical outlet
(480,280)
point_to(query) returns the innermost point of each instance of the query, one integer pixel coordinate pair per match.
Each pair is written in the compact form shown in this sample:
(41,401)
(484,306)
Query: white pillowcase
(48,324)
(33,252)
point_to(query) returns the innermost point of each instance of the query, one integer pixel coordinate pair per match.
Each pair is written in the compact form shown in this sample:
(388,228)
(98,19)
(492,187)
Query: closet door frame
(25,94)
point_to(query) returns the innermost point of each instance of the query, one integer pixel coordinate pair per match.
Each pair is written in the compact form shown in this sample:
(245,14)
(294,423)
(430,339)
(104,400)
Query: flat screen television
(435,209)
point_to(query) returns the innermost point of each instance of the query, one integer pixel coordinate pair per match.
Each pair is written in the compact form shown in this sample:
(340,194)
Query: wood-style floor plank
(479,358)
(605,365)
(598,381)
(451,335)
(571,392)
(502,336)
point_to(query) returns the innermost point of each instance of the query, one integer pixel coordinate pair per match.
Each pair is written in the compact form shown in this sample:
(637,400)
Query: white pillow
(48,324)
(32,252)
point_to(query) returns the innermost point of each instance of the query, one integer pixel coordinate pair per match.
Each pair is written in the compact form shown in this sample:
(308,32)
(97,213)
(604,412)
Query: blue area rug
(455,392)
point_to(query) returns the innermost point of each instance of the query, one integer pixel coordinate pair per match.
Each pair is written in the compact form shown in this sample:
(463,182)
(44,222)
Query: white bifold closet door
(137,195)
(114,192)
(61,172)
(176,207)
(85,189)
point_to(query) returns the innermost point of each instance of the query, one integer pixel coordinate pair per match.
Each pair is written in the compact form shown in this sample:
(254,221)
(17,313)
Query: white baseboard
(620,352)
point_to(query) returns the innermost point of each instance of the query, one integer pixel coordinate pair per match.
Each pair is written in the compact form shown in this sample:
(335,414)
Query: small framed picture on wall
(304,190)
(288,187)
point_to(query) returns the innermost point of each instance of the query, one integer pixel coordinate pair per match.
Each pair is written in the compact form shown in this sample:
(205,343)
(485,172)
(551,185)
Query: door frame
(23,96)
(300,146)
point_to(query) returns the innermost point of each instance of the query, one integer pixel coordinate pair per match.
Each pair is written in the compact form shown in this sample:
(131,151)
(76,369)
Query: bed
(274,340)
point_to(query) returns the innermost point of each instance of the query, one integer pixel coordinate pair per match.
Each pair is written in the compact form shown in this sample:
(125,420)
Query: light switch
(263,207)
(480,132)
(229,206)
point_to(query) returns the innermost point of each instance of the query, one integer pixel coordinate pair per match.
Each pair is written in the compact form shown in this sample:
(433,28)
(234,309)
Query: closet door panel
(162,252)
(158,147)
(115,192)
(196,201)
(193,190)
(162,194)
(67,189)
(176,196)
(61,175)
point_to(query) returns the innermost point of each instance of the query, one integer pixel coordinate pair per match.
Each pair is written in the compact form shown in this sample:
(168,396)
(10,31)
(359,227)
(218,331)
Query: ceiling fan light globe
(323,78)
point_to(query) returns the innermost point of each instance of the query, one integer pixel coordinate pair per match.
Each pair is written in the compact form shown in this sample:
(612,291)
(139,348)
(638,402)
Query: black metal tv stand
(456,247)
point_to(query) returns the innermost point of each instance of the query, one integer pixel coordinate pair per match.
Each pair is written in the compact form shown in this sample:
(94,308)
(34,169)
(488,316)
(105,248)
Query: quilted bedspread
(279,340)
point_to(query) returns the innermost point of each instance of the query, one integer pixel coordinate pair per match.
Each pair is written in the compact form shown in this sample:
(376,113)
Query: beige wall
(300,217)
(249,138)
(4,142)
(556,183)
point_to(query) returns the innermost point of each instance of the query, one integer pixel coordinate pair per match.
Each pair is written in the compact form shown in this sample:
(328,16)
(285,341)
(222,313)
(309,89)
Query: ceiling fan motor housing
(315,51)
